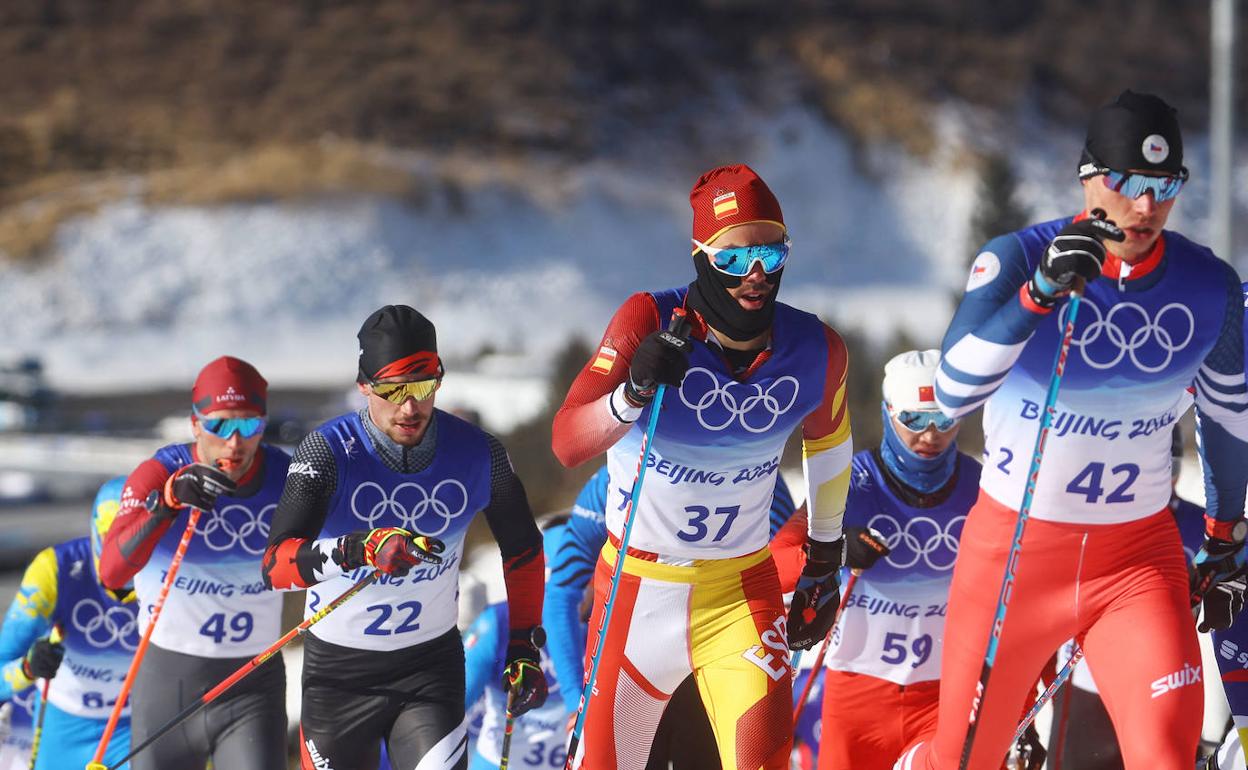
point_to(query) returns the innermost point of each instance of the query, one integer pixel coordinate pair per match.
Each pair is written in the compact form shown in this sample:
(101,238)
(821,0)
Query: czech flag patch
(604,360)
(724,205)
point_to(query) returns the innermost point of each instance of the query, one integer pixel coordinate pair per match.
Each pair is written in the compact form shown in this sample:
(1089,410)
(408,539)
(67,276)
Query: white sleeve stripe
(1235,422)
(955,388)
(1229,383)
(981,358)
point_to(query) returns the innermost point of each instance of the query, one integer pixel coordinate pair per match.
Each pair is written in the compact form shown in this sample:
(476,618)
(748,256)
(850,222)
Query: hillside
(140,85)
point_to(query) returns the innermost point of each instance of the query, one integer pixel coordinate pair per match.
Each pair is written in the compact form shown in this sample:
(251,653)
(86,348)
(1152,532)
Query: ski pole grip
(679,325)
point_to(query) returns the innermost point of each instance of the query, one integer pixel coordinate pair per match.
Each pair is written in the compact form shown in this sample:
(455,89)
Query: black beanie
(1136,132)
(395,341)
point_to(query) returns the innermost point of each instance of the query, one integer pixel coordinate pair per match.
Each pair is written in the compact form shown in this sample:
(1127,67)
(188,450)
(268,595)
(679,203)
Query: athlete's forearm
(28,618)
(294,558)
(135,532)
(595,413)
(1222,411)
(828,448)
(988,332)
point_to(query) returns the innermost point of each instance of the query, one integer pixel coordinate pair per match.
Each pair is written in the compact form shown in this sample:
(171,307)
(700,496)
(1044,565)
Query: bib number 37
(698,526)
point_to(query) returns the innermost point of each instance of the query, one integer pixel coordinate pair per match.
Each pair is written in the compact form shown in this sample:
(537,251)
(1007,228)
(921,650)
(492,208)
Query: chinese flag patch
(604,360)
(926,393)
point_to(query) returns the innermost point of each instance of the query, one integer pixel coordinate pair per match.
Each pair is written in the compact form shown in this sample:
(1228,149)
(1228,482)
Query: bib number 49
(237,630)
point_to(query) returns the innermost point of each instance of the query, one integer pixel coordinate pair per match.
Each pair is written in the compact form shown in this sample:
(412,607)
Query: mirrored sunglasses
(1133,186)
(225,427)
(739,260)
(399,392)
(919,421)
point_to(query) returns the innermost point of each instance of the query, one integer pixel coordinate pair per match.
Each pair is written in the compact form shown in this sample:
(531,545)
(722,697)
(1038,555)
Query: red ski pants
(867,721)
(1119,588)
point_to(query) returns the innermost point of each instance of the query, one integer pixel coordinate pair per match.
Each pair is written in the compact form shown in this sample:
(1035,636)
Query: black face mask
(709,296)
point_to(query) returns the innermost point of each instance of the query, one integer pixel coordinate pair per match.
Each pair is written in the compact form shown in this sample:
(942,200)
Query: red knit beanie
(229,383)
(731,195)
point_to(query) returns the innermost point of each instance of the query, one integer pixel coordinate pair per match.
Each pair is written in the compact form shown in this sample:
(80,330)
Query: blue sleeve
(29,618)
(575,552)
(1222,411)
(989,330)
(782,507)
(481,661)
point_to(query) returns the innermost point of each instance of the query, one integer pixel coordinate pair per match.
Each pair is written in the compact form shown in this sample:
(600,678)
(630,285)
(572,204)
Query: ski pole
(1024,512)
(1046,696)
(823,648)
(54,638)
(677,328)
(508,726)
(191,520)
(243,671)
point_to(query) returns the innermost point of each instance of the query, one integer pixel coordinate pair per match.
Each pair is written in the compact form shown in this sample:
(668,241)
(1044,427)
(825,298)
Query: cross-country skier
(684,736)
(1082,735)
(99,630)
(1101,557)
(539,737)
(699,589)
(912,492)
(393,488)
(218,614)
(1231,644)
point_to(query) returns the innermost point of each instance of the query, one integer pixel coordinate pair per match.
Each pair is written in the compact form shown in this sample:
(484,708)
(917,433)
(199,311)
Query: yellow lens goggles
(399,392)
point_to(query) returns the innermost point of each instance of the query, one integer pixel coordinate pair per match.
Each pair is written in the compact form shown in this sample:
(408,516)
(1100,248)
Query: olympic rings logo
(719,406)
(428,513)
(104,628)
(920,539)
(1146,335)
(236,525)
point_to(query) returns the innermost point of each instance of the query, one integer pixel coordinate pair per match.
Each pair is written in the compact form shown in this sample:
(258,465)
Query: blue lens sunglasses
(225,427)
(739,260)
(1134,185)
(919,421)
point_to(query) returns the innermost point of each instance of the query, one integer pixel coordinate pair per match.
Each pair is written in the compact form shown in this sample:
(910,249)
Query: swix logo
(1185,676)
(301,469)
(979,695)
(775,663)
(319,762)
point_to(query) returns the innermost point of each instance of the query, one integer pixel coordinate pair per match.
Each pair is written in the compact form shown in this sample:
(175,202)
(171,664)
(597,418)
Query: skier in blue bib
(86,668)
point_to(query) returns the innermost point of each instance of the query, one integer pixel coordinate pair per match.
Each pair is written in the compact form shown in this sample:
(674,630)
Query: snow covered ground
(140,297)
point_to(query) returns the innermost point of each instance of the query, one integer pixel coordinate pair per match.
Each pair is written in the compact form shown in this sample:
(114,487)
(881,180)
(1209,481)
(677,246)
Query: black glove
(662,358)
(1077,251)
(1223,603)
(864,547)
(43,659)
(522,677)
(818,592)
(197,486)
(391,550)
(1219,580)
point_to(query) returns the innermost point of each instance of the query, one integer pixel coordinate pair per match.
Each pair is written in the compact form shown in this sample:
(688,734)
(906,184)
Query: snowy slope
(141,297)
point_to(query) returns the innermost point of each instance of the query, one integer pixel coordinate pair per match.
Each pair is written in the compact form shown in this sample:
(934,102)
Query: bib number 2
(697,524)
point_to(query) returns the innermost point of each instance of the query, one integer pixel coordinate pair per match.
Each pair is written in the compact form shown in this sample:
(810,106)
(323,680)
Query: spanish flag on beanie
(728,196)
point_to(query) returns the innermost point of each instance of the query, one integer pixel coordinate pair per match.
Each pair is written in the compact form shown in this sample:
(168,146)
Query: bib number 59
(697,523)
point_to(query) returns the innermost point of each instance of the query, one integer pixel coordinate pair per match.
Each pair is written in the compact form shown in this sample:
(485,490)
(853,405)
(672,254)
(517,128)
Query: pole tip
(97,766)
